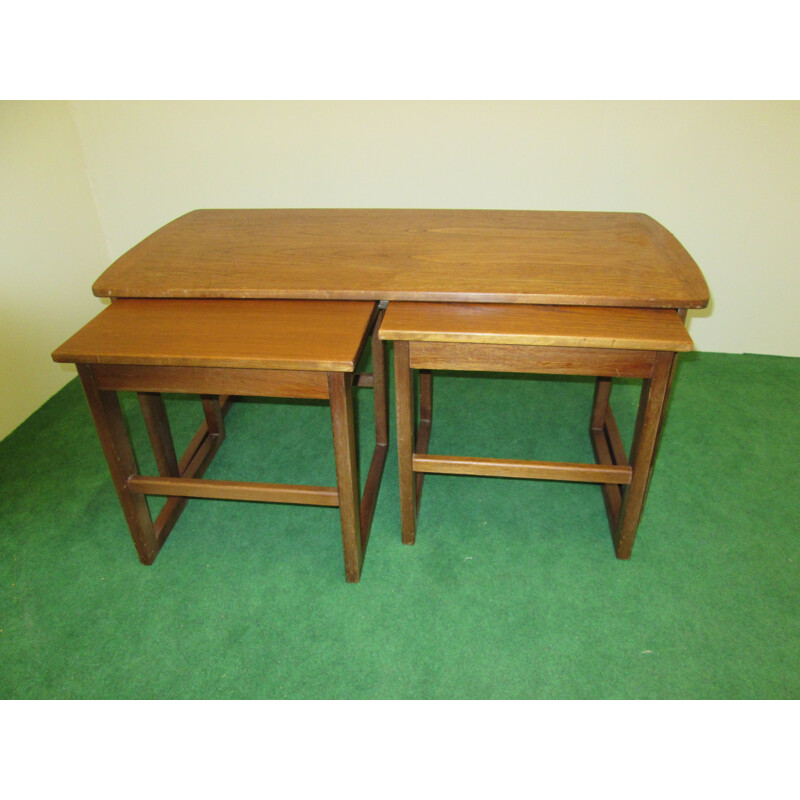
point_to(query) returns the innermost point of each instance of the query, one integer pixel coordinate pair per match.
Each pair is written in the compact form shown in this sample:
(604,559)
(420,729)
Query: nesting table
(548,259)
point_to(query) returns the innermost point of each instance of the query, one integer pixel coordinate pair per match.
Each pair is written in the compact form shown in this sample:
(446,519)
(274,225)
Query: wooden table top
(254,334)
(548,257)
(550,325)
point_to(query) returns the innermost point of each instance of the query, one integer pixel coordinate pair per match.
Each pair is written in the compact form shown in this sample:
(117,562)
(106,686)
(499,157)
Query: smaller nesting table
(566,340)
(218,349)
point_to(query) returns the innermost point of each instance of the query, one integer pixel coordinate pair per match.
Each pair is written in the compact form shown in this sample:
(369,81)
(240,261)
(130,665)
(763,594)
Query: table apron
(212,380)
(528,358)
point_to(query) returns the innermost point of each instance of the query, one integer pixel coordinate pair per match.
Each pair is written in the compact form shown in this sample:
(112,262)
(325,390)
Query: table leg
(157,424)
(212,409)
(369,498)
(602,393)
(379,387)
(404,400)
(425,396)
(425,420)
(110,423)
(605,452)
(344,448)
(645,438)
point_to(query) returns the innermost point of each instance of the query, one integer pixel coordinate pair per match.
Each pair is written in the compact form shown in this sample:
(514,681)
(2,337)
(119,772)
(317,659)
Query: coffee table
(605,260)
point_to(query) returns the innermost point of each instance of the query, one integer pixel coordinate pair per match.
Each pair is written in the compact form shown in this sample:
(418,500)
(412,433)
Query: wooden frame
(181,479)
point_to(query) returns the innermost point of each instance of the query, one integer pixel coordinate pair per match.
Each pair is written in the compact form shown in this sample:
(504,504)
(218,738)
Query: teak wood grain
(548,257)
(257,334)
(560,326)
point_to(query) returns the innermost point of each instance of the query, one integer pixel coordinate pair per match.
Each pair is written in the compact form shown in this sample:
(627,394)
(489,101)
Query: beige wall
(722,176)
(51,249)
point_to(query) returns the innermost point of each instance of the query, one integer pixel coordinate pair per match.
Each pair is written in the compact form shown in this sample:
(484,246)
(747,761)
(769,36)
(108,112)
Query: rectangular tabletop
(546,257)
(253,334)
(545,326)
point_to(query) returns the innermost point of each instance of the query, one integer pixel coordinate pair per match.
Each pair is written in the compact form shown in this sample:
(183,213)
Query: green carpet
(512,590)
